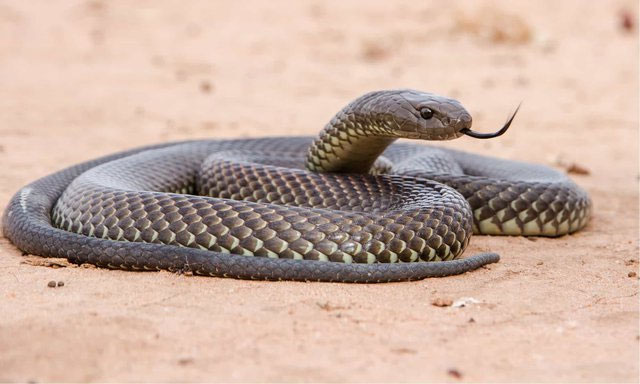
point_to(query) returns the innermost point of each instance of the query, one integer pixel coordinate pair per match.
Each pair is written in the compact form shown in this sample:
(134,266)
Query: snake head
(414,114)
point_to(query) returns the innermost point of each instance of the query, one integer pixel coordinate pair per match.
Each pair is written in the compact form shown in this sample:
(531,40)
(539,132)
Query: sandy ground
(79,79)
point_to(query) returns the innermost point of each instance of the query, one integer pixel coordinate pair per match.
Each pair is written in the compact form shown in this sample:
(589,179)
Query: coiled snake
(363,211)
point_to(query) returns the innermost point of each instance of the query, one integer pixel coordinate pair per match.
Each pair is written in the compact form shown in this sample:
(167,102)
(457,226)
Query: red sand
(84,78)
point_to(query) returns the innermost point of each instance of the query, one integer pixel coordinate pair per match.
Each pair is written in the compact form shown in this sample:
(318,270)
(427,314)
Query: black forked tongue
(502,130)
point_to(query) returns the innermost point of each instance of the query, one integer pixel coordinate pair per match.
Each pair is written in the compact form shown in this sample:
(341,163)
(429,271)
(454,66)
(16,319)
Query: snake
(350,205)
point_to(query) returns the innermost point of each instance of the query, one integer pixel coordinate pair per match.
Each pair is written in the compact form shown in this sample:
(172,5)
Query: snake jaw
(438,128)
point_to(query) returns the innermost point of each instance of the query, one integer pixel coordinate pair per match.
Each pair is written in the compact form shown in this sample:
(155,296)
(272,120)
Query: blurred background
(95,72)
(84,78)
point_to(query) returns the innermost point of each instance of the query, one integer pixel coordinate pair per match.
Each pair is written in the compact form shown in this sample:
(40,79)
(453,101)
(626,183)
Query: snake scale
(347,206)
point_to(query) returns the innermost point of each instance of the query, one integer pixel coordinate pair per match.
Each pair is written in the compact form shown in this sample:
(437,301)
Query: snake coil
(347,206)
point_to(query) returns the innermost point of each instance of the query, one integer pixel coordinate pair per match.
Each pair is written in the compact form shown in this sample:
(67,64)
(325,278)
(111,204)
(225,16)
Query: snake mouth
(502,130)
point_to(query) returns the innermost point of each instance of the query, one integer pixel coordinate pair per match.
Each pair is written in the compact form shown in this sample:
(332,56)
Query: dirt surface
(79,79)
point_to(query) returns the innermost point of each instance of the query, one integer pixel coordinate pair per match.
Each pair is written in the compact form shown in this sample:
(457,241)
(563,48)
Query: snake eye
(426,113)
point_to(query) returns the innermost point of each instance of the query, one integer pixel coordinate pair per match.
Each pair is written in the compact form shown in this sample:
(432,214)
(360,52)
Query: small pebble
(540,263)
(374,51)
(60,283)
(51,284)
(442,302)
(626,21)
(185,361)
(577,169)
(453,372)
(632,274)
(205,87)
(472,320)
(404,351)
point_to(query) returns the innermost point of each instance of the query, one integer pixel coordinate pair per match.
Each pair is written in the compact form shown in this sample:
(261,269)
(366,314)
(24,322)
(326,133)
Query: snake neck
(352,140)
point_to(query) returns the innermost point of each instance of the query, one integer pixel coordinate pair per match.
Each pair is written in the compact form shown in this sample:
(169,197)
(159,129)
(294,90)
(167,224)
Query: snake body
(363,210)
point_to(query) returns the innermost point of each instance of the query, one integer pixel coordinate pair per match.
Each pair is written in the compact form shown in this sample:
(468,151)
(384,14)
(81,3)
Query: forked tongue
(502,130)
